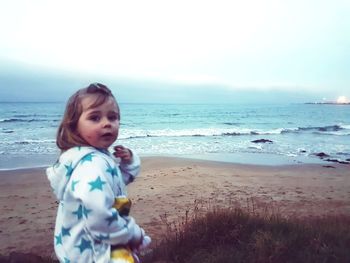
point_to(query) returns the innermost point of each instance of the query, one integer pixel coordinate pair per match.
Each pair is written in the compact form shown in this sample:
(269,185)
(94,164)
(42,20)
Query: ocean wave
(137,134)
(27,120)
(37,115)
(29,141)
(323,128)
(7,131)
(232,123)
(343,153)
(336,129)
(340,133)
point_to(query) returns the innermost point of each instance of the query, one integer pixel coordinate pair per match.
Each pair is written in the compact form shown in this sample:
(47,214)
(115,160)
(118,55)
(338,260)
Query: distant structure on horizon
(342,100)
(329,102)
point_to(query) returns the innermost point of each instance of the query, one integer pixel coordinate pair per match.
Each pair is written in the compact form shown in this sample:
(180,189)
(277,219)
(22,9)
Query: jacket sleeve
(130,171)
(93,187)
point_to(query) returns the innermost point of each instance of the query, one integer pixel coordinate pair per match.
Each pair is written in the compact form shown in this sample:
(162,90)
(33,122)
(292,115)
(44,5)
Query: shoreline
(168,187)
(32,161)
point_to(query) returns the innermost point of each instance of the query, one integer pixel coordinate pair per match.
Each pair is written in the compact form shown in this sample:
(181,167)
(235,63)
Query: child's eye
(94,118)
(113,117)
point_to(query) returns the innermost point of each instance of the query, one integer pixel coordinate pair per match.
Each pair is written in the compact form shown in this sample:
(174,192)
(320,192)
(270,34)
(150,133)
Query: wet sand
(168,187)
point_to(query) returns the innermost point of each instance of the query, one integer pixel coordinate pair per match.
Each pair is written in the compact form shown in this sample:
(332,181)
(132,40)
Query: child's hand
(123,153)
(146,241)
(141,244)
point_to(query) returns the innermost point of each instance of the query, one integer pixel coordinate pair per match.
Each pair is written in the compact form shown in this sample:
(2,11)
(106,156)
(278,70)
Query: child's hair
(67,136)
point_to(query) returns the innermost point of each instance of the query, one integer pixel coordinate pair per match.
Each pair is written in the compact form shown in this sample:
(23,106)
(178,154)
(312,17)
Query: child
(86,180)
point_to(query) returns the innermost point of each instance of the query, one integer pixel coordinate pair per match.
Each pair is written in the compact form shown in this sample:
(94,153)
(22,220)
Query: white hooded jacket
(86,181)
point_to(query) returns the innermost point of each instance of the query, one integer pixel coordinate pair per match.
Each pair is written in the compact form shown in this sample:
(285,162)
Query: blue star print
(58,239)
(102,237)
(79,212)
(97,184)
(114,217)
(66,260)
(87,158)
(86,211)
(111,170)
(65,231)
(69,170)
(74,184)
(84,244)
(82,211)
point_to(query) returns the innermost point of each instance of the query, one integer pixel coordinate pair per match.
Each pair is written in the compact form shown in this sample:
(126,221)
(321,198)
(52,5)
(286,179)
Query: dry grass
(252,234)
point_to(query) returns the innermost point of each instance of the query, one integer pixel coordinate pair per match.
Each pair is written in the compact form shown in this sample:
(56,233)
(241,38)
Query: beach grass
(241,235)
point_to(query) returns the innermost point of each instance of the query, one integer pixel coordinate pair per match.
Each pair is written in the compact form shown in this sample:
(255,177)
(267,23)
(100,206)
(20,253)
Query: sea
(296,133)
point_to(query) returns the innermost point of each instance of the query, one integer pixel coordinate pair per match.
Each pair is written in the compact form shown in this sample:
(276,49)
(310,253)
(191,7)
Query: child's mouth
(107,135)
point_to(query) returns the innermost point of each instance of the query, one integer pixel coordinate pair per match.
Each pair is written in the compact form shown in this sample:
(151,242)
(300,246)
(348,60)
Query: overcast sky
(149,50)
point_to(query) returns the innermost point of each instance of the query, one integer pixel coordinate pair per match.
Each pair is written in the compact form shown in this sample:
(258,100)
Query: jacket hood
(59,174)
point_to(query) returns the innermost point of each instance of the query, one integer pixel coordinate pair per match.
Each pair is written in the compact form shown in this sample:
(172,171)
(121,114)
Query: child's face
(99,126)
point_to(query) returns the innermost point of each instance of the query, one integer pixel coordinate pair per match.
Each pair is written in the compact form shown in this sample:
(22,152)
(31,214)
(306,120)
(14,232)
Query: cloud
(238,45)
(35,84)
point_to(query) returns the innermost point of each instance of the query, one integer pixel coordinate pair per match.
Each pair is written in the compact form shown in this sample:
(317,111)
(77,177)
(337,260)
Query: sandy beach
(168,187)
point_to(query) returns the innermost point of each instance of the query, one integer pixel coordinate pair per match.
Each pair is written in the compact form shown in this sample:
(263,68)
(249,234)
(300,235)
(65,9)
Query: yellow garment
(122,255)
(123,205)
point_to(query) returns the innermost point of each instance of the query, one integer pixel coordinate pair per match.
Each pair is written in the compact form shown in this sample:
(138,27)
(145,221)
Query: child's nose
(106,122)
